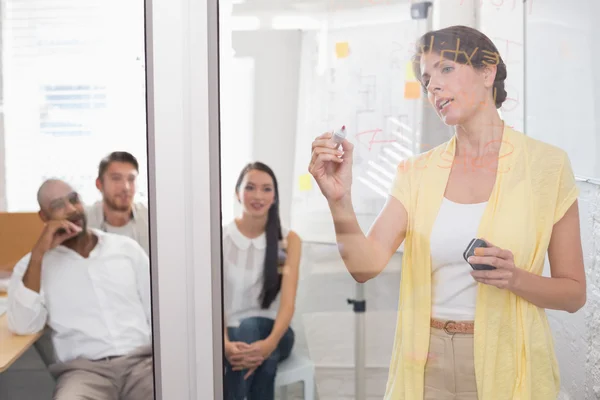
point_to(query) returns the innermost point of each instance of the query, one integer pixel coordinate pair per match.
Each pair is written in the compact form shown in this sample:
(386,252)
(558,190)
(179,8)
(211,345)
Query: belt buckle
(445,328)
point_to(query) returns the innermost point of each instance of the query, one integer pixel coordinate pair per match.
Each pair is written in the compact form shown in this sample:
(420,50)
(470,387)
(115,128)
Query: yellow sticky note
(412,90)
(342,49)
(409,73)
(305,182)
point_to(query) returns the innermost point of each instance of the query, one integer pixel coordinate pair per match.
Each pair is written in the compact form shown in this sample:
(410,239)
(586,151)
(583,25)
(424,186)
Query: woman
(462,333)
(260,261)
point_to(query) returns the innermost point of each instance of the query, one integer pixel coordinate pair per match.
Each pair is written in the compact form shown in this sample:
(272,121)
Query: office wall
(493,22)
(576,337)
(2,165)
(596,67)
(591,197)
(276,55)
(2,147)
(18,234)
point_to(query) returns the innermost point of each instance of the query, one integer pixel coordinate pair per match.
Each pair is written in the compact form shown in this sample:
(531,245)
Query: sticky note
(412,90)
(341,49)
(409,73)
(305,182)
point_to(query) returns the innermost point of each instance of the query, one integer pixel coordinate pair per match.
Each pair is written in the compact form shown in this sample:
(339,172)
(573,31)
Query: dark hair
(271,273)
(117,156)
(466,46)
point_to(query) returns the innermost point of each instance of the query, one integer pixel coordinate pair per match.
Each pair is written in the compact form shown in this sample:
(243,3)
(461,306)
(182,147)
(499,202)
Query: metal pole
(361,379)
(359,307)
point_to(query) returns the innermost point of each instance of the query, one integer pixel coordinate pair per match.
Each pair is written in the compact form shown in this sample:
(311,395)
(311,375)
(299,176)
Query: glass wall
(73,91)
(74,268)
(110,101)
(292,71)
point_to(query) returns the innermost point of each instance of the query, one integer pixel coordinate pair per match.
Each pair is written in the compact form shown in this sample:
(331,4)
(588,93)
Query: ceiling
(248,7)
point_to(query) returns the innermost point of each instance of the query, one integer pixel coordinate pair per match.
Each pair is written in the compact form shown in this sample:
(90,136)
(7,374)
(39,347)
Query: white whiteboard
(503,23)
(562,80)
(365,92)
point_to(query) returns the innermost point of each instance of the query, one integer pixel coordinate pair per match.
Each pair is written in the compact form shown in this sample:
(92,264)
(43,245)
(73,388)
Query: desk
(13,346)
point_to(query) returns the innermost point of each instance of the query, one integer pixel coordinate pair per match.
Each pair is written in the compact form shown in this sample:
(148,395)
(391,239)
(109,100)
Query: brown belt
(453,326)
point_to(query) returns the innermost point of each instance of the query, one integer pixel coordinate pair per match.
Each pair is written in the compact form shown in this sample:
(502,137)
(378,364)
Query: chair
(296,368)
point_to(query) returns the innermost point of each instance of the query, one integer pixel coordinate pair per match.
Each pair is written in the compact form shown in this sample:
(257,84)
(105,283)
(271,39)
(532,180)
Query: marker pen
(339,136)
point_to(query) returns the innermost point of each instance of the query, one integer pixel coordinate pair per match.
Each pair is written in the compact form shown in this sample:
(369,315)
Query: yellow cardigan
(514,350)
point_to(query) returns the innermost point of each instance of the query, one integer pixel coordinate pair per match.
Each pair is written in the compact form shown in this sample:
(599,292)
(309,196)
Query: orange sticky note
(305,182)
(342,49)
(412,90)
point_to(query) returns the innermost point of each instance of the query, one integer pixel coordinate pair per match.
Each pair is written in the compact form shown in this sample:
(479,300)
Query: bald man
(92,289)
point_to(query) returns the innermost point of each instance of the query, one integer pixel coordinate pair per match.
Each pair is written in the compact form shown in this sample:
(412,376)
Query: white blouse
(243,264)
(454,291)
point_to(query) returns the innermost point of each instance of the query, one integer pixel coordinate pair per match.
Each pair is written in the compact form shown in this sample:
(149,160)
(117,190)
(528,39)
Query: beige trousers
(450,367)
(125,378)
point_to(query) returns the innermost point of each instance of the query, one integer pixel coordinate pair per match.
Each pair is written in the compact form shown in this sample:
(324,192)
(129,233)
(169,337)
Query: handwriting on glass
(372,140)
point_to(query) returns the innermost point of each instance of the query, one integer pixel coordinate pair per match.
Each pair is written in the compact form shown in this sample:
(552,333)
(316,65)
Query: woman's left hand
(506,273)
(264,348)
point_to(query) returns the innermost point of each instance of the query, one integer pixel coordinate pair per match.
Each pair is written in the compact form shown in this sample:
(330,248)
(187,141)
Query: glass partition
(300,316)
(75,287)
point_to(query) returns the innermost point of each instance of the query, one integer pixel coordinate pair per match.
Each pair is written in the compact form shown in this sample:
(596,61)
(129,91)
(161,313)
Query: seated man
(93,291)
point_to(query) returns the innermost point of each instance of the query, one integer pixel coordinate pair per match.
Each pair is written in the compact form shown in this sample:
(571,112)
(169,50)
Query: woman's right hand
(332,168)
(242,356)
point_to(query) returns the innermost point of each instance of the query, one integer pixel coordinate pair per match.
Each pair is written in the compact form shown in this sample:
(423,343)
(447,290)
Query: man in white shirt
(117,212)
(92,289)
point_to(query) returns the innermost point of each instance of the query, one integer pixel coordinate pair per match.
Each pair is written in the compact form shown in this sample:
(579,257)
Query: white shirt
(454,291)
(137,227)
(96,307)
(243,265)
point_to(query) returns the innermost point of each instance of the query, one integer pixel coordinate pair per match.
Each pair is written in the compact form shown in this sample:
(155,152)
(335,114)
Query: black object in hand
(470,251)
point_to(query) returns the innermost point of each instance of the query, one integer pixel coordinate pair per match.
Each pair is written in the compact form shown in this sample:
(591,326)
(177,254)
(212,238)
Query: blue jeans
(261,384)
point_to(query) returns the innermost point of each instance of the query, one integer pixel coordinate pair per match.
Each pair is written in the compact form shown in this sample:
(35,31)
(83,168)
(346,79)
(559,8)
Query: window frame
(184,197)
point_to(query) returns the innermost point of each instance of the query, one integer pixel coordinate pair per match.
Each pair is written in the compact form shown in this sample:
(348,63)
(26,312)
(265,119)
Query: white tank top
(243,263)
(454,290)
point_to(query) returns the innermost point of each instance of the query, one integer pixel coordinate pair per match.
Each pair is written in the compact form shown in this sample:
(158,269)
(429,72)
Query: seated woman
(260,275)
